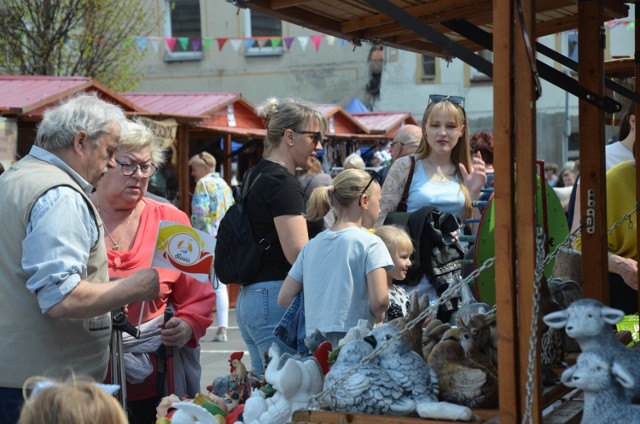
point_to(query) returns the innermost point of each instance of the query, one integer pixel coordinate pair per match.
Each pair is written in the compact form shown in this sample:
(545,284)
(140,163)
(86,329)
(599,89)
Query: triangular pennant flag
(155,43)
(184,43)
(331,40)
(195,44)
(262,42)
(343,42)
(288,41)
(207,42)
(316,40)
(171,43)
(221,42)
(303,40)
(143,43)
(276,42)
(235,44)
(248,43)
(128,41)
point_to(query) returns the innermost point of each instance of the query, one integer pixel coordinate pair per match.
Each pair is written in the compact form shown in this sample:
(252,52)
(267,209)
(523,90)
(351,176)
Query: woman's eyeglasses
(455,100)
(316,136)
(128,169)
(374,177)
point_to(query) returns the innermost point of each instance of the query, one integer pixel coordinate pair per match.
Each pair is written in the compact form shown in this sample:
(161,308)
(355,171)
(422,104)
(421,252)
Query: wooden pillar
(504,195)
(526,205)
(226,170)
(183,169)
(593,205)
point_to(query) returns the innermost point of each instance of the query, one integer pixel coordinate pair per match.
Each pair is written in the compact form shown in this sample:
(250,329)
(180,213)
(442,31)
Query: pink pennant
(316,40)
(171,42)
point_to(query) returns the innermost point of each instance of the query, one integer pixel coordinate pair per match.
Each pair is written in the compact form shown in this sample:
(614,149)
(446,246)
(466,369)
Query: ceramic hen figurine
(368,390)
(237,369)
(462,380)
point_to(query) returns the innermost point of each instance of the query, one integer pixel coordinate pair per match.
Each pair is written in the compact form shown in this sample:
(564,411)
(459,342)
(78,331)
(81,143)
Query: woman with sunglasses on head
(446,174)
(131,223)
(343,270)
(276,205)
(211,199)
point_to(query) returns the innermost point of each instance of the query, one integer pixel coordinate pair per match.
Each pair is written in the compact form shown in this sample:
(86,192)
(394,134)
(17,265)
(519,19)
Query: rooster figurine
(237,369)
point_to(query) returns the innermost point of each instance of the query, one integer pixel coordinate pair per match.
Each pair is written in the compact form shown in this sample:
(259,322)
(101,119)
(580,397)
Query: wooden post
(526,205)
(227,159)
(593,205)
(183,168)
(504,195)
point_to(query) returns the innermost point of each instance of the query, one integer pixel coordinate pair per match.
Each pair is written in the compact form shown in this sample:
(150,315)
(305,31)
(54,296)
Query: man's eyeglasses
(316,136)
(374,177)
(455,100)
(128,169)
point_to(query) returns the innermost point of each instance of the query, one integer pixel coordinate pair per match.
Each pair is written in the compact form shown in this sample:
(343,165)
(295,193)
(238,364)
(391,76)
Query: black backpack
(238,254)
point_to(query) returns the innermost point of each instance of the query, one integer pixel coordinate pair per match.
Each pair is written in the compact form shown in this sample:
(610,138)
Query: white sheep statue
(603,383)
(589,322)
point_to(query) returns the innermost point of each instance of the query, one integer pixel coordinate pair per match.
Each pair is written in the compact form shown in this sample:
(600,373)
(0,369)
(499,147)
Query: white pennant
(155,43)
(303,40)
(235,44)
(330,39)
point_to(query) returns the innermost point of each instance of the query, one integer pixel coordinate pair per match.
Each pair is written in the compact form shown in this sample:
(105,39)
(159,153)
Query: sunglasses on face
(454,100)
(316,136)
(374,177)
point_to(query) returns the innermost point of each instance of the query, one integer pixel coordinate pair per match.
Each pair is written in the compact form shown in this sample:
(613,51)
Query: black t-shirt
(276,193)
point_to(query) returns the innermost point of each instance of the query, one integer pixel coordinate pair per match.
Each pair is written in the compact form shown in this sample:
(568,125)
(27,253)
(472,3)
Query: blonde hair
(139,137)
(280,115)
(204,159)
(73,401)
(354,161)
(461,153)
(346,187)
(395,238)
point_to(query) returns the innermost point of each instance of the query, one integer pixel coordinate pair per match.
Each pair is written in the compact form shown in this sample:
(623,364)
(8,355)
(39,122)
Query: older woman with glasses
(131,223)
(442,173)
(276,203)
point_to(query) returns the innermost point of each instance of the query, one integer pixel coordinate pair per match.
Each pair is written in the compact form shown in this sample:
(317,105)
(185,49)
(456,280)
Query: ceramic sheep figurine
(589,322)
(603,383)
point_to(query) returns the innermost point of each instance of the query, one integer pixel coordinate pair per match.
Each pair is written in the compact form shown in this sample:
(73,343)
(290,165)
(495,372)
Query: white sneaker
(221,337)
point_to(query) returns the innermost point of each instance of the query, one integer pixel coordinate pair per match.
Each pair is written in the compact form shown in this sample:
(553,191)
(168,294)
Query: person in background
(446,175)
(212,198)
(400,248)
(311,179)
(55,280)
(73,401)
(276,203)
(160,183)
(354,161)
(342,271)
(551,173)
(1,169)
(131,222)
(405,142)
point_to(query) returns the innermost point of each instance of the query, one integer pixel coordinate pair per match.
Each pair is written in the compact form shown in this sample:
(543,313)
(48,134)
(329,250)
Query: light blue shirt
(60,234)
(332,268)
(446,196)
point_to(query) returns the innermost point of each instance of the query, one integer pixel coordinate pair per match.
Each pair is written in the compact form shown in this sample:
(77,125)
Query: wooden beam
(526,224)
(504,195)
(593,205)
(283,4)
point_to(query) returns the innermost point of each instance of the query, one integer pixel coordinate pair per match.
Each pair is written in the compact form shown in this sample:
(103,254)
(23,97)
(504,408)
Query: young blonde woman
(343,269)
(445,173)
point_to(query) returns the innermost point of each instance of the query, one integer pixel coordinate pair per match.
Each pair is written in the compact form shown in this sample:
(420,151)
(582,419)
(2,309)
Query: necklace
(115,244)
(442,176)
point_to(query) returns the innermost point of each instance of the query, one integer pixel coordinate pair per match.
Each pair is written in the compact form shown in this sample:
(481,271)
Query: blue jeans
(258,313)
(291,328)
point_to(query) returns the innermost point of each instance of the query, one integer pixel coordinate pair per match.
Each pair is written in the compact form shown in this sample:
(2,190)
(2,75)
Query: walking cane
(165,359)
(120,324)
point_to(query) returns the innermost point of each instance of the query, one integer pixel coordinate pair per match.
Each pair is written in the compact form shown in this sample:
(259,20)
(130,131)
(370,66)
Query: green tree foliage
(92,38)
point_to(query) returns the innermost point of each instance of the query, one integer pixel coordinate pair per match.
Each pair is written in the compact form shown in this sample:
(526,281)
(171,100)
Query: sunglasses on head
(201,156)
(374,176)
(454,100)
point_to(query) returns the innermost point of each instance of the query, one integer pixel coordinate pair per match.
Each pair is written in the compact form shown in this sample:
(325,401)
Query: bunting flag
(221,42)
(316,40)
(184,43)
(262,42)
(276,42)
(142,42)
(330,40)
(207,42)
(288,41)
(183,248)
(235,44)
(155,43)
(248,43)
(195,44)
(303,40)
(171,43)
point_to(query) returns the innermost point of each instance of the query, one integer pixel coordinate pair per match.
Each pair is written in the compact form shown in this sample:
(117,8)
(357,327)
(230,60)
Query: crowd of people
(332,259)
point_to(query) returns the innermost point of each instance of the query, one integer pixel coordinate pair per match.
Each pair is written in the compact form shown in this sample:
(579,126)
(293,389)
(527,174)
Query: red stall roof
(31,95)
(386,123)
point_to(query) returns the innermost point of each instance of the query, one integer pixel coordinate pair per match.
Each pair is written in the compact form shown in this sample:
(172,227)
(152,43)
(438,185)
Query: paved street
(214,356)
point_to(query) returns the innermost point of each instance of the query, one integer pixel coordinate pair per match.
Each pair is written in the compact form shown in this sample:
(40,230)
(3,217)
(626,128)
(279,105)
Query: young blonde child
(72,401)
(400,248)
(343,270)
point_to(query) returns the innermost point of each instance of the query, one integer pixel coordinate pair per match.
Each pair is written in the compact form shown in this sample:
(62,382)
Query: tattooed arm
(393,187)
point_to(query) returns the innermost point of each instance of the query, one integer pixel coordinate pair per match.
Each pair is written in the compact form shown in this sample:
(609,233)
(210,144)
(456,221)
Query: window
(182,21)
(261,27)
(477,76)
(426,69)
